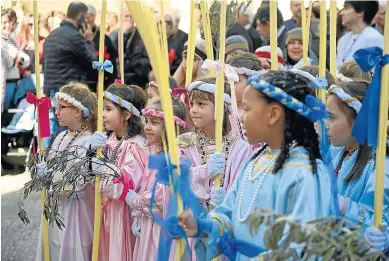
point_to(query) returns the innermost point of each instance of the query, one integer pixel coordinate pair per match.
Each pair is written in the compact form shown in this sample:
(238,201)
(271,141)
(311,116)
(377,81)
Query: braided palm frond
(214,16)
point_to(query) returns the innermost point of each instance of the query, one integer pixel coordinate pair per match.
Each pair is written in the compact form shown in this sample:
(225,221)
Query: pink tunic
(116,238)
(239,153)
(146,246)
(74,242)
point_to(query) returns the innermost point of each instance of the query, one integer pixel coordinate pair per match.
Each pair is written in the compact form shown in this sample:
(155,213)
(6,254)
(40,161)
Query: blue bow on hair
(365,128)
(181,185)
(106,66)
(318,108)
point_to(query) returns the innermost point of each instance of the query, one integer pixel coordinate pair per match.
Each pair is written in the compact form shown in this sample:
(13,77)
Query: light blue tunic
(361,191)
(294,190)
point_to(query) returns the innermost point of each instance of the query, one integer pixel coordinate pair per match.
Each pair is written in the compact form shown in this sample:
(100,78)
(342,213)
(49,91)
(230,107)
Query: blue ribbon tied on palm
(105,66)
(365,129)
(166,174)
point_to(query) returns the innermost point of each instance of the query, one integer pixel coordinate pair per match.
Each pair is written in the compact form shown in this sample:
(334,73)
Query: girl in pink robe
(200,144)
(75,240)
(147,242)
(127,150)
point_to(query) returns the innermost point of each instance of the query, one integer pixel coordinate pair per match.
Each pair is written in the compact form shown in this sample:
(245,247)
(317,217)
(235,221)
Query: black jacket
(257,40)
(66,57)
(136,61)
(237,29)
(110,53)
(181,37)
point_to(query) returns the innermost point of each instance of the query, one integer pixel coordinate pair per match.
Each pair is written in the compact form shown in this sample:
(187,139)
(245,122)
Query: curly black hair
(297,127)
(138,98)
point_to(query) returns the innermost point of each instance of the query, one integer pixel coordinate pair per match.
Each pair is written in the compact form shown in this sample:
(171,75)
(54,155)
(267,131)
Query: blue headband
(318,83)
(313,109)
(210,88)
(122,103)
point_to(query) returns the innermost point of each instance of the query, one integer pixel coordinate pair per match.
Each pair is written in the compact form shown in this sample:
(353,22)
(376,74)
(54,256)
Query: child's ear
(275,113)
(78,113)
(127,115)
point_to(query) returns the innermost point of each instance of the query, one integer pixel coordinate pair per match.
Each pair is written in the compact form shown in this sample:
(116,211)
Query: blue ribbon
(228,245)
(318,108)
(106,66)
(323,83)
(181,184)
(365,128)
(166,172)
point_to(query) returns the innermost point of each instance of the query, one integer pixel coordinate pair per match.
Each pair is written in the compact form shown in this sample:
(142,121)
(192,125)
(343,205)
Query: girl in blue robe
(354,164)
(287,176)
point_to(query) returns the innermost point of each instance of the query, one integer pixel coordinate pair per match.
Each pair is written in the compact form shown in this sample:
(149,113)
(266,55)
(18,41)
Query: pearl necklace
(203,142)
(262,174)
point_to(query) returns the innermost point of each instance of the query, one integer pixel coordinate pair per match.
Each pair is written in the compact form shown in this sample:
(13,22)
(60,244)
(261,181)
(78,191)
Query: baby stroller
(17,127)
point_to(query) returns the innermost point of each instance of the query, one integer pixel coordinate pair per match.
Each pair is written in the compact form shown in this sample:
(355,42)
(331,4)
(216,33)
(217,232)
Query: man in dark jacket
(68,53)
(262,21)
(110,53)
(243,27)
(136,61)
(295,21)
(180,35)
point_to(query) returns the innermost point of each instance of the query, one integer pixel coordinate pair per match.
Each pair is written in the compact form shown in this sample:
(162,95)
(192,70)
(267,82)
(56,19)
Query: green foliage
(73,166)
(214,16)
(329,238)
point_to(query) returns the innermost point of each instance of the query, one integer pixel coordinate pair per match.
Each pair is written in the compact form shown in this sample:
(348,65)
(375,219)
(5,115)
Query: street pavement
(18,242)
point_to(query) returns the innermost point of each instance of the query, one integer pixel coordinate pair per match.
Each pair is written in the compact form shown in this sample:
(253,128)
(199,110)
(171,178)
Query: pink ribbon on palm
(231,76)
(127,184)
(43,105)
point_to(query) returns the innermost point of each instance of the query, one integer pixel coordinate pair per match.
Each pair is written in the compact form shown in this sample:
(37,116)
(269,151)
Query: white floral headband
(248,72)
(159,114)
(122,103)
(69,99)
(351,102)
(341,77)
(210,88)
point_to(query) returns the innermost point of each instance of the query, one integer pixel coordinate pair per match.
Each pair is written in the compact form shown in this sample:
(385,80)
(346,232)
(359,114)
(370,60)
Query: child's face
(196,64)
(68,115)
(265,64)
(152,95)
(256,117)
(153,130)
(113,119)
(239,89)
(338,124)
(202,113)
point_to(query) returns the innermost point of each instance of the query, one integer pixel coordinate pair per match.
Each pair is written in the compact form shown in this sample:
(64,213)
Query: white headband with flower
(71,100)
(343,78)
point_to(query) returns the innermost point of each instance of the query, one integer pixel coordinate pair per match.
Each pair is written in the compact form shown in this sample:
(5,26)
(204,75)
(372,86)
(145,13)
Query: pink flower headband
(159,114)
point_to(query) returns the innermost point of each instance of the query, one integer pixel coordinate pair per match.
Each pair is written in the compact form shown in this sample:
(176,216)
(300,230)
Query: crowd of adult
(69,43)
